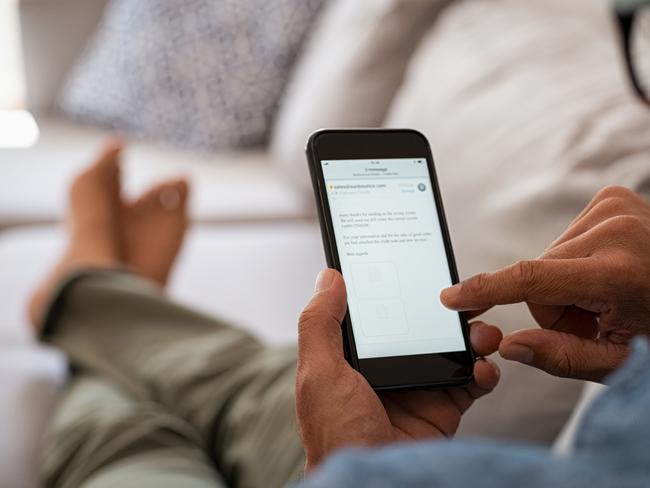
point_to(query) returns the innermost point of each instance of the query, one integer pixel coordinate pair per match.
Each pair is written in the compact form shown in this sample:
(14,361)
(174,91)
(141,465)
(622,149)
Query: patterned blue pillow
(200,74)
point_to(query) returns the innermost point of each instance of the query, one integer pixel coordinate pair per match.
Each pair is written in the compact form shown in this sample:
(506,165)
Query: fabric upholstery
(195,74)
(529,114)
(348,73)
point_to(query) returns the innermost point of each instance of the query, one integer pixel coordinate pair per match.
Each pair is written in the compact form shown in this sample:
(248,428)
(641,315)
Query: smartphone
(384,229)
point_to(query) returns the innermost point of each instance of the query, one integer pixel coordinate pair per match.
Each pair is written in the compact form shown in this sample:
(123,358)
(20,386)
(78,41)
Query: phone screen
(392,255)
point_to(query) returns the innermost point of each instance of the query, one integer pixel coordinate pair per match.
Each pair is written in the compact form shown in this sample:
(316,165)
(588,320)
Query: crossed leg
(161,395)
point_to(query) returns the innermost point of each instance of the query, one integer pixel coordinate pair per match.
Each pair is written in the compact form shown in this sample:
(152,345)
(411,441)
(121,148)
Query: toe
(174,195)
(169,195)
(181,188)
(101,176)
(110,154)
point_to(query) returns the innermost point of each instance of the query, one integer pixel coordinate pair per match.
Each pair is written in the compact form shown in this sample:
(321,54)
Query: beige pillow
(349,72)
(529,114)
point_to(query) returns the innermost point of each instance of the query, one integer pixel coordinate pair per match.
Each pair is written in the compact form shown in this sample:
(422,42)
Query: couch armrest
(53,34)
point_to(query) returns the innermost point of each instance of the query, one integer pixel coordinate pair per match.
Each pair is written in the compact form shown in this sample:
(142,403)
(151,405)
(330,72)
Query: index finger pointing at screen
(543,281)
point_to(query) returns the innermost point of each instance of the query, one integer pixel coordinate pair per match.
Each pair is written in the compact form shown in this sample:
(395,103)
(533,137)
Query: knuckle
(612,205)
(308,317)
(621,273)
(525,272)
(565,362)
(314,315)
(604,278)
(613,191)
(328,325)
(624,225)
(477,285)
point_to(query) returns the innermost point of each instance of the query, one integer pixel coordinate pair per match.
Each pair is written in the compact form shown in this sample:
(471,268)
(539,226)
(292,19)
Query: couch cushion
(221,270)
(349,72)
(53,34)
(202,74)
(30,381)
(529,114)
(229,186)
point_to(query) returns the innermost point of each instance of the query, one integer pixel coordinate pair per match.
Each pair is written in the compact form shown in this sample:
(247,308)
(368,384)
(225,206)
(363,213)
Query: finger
(597,241)
(583,244)
(545,282)
(171,195)
(601,211)
(611,191)
(485,339)
(111,150)
(587,237)
(319,326)
(566,319)
(563,354)
(472,314)
(571,319)
(417,412)
(428,404)
(610,202)
(602,194)
(486,379)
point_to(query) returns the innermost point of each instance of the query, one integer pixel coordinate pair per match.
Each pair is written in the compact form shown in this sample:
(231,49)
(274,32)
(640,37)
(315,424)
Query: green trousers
(161,396)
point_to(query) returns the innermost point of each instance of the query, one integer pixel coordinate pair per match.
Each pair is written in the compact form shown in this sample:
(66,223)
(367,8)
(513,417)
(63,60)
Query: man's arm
(459,465)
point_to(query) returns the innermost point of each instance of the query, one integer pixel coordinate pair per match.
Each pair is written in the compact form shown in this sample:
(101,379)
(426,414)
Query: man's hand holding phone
(589,291)
(336,406)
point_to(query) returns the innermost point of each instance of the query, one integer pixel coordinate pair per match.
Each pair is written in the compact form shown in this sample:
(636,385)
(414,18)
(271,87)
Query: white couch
(514,170)
(254,239)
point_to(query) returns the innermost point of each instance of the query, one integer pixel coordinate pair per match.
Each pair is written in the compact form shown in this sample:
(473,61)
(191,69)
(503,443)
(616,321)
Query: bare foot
(154,228)
(94,226)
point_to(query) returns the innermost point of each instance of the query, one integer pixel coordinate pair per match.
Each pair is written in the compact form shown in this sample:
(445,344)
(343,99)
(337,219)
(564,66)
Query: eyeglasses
(634,19)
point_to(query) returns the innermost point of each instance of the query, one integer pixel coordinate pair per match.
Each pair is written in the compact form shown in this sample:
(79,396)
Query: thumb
(564,354)
(319,326)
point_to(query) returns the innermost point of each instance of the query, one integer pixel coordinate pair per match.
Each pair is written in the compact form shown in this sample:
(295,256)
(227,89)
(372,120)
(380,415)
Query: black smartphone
(384,229)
